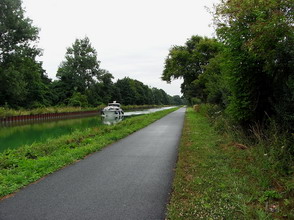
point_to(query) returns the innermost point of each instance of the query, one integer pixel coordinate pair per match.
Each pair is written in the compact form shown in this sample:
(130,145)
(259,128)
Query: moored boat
(112,110)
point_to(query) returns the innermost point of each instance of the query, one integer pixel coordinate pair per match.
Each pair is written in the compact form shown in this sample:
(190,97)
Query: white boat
(112,110)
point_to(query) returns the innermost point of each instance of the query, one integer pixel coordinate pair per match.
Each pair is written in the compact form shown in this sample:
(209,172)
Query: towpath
(130,179)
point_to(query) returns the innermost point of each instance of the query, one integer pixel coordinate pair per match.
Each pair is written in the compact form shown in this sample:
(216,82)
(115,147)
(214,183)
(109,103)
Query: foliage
(259,40)
(248,69)
(248,72)
(127,91)
(80,70)
(80,81)
(134,92)
(78,100)
(21,76)
(177,100)
(214,82)
(189,62)
(217,180)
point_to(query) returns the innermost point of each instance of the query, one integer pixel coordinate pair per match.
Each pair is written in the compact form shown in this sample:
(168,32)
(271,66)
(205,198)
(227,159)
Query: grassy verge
(6,112)
(24,165)
(218,179)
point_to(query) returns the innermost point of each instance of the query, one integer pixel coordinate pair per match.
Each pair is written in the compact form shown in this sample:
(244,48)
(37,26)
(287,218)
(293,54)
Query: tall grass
(221,174)
(268,139)
(6,112)
(271,151)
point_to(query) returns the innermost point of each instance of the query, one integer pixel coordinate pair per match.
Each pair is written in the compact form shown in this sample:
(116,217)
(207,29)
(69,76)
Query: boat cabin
(114,104)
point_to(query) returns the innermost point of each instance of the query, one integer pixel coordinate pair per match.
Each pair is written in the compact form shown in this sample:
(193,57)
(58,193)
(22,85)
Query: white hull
(112,113)
(113,110)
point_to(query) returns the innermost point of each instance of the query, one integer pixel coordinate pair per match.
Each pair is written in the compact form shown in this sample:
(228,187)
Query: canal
(19,135)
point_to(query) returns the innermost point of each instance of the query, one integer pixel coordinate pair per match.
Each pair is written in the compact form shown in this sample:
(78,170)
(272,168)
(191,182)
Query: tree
(214,83)
(78,100)
(259,41)
(177,100)
(188,62)
(21,76)
(107,91)
(157,96)
(160,97)
(102,91)
(143,93)
(80,69)
(127,91)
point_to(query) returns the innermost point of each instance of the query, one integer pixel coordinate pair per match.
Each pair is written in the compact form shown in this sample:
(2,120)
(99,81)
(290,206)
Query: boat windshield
(114,104)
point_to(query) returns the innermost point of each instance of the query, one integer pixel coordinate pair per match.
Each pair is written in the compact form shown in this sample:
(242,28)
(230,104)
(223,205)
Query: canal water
(19,135)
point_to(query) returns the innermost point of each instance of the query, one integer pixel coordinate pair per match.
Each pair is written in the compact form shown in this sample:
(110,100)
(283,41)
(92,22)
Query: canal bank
(130,179)
(14,117)
(18,133)
(26,164)
(25,119)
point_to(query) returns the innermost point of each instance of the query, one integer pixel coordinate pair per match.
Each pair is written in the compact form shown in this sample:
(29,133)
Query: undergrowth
(221,175)
(271,152)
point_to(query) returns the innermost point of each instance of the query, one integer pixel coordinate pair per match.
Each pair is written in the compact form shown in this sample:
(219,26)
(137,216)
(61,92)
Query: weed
(217,180)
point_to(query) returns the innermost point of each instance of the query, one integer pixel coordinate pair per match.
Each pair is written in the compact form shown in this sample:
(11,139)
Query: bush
(268,139)
(78,100)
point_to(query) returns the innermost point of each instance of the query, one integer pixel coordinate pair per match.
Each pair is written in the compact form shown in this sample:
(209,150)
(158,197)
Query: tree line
(248,69)
(80,80)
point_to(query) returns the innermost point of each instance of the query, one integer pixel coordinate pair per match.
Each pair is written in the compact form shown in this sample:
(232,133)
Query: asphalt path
(130,179)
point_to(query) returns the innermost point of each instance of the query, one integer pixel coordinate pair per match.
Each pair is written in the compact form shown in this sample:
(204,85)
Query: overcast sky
(132,37)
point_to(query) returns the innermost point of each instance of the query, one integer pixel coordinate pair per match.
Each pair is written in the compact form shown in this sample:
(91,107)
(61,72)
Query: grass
(22,166)
(220,179)
(6,112)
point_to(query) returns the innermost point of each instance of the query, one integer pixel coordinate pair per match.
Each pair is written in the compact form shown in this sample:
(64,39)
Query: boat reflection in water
(111,120)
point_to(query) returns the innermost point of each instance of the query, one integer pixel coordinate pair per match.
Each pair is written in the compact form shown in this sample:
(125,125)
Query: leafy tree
(165,99)
(127,91)
(134,92)
(58,93)
(94,94)
(102,91)
(188,62)
(214,83)
(80,69)
(107,86)
(78,100)
(177,100)
(144,95)
(259,53)
(21,76)
(160,97)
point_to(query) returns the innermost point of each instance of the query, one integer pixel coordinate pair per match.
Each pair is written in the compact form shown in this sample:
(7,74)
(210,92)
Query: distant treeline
(80,80)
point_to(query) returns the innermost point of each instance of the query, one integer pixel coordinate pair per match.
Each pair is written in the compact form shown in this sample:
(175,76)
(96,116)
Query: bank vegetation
(26,164)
